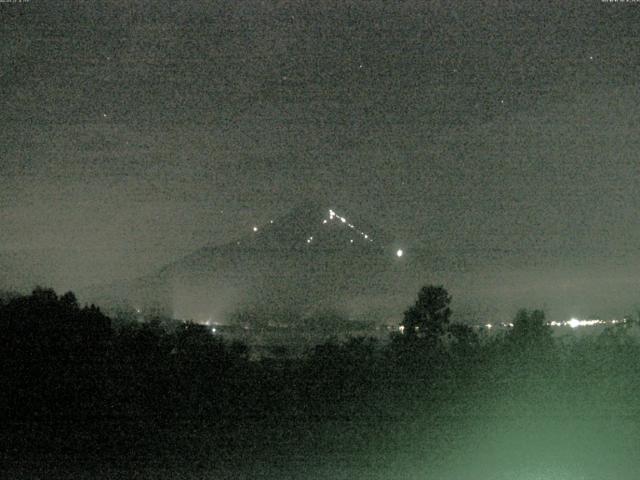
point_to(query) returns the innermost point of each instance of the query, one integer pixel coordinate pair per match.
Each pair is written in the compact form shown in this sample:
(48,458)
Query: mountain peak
(311,255)
(311,224)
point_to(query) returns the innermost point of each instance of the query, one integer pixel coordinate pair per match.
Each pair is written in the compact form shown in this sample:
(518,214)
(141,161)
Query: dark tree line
(59,360)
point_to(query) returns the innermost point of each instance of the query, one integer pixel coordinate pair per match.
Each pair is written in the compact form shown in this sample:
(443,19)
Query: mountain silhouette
(313,257)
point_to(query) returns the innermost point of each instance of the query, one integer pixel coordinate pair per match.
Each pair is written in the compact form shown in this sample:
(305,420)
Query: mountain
(310,259)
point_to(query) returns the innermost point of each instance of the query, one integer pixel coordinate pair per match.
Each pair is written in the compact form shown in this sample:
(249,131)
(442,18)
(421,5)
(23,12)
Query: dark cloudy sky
(500,135)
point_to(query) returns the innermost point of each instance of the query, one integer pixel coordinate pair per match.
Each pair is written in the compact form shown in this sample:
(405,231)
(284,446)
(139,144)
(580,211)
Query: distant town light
(255,229)
(575,323)
(399,253)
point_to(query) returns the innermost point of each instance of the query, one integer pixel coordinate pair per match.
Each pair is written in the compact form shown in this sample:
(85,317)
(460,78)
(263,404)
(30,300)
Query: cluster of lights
(575,323)
(334,216)
(489,326)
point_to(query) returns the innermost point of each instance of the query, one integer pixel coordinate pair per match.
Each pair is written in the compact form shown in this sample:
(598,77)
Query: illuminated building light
(255,229)
(270,221)
(401,328)
(343,220)
(213,330)
(575,323)
(366,236)
(324,222)
(351,241)
(488,325)
(399,253)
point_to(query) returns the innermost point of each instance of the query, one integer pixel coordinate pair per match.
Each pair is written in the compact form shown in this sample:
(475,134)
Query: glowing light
(343,220)
(213,330)
(255,229)
(575,323)
(324,222)
(399,253)
(401,328)
(366,236)
(488,325)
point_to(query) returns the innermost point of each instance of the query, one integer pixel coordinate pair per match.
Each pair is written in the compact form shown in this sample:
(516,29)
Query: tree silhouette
(530,328)
(464,341)
(429,316)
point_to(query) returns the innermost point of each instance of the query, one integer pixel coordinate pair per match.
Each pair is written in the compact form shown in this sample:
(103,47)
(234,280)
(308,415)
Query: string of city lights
(572,323)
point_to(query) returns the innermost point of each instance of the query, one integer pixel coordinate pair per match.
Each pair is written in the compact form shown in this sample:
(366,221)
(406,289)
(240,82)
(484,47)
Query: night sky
(497,141)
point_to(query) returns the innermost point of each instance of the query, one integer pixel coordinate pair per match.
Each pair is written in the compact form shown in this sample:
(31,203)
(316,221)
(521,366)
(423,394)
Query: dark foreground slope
(138,402)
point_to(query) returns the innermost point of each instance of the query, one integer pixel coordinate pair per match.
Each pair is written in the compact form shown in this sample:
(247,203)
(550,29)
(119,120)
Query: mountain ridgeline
(309,260)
